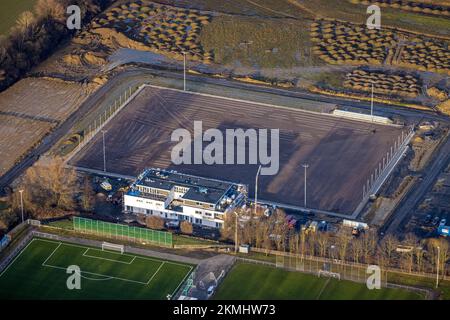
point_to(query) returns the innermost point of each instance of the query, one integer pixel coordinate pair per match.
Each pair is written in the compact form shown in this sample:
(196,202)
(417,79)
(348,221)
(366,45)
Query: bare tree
(322,243)
(356,249)
(280,229)
(48,187)
(368,243)
(51,9)
(25,20)
(439,247)
(186,227)
(343,239)
(387,247)
(154,222)
(87,197)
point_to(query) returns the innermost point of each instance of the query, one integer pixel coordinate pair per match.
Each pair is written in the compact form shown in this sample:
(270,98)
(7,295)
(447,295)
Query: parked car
(435,221)
(106,185)
(427,219)
(443,222)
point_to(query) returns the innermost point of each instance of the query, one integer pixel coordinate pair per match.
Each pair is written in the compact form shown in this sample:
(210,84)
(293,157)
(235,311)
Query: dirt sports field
(341,153)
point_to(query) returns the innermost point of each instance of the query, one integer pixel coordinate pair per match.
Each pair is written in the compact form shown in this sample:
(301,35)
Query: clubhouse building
(176,196)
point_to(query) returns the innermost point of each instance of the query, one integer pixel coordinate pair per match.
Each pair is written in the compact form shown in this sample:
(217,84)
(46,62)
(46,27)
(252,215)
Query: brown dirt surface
(139,137)
(30,109)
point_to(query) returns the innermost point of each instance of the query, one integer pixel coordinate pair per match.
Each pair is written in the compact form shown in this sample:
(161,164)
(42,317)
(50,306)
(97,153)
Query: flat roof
(200,189)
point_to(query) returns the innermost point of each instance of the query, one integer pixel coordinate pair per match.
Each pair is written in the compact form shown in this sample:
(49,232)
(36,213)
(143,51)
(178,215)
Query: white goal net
(106,246)
(329,274)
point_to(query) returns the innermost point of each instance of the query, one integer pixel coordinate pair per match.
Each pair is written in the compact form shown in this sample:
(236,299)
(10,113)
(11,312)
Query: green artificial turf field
(252,282)
(39,272)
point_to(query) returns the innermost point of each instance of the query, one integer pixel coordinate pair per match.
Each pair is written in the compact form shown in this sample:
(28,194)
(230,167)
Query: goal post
(329,274)
(107,246)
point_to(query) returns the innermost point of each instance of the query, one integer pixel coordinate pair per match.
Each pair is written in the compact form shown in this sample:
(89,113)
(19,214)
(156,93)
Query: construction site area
(139,136)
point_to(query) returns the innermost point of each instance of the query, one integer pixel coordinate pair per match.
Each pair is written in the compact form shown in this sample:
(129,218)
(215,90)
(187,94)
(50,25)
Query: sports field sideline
(39,272)
(253,282)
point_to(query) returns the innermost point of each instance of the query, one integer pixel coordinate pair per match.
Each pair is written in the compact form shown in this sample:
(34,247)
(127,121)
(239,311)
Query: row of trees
(37,34)
(50,190)
(273,233)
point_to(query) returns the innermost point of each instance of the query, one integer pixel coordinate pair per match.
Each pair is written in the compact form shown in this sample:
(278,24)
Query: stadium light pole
(21,201)
(371,105)
(184,70)
(437,266)
(305,166)
(256,188)
(236,233)
(104,151)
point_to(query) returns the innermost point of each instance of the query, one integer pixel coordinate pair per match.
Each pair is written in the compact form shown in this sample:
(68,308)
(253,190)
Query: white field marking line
(101,258)
(87,272)
(51,254)
(157,270)
(182,281)
(264,104)
(108,277)
(138,257)
(102,275)
(14,260)
(323,288)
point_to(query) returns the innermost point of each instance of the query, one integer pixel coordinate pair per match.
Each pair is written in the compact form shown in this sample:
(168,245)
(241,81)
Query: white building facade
(175,196)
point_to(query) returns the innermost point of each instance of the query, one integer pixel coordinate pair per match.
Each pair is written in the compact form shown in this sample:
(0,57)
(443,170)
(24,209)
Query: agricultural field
(32,108)
(426,55)
(426,7)
(384,83)
(414,22)
(340,42)
(347,43)
(258,43)
(257,282)
(139,137)
(10,11)
(260,8)
(166,29)
(39,272)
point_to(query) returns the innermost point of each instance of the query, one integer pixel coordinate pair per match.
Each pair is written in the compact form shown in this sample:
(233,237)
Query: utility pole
(256,188)
(305,166)
(236,233)
(104,152)
(371,105)
(184,71)
(437,266)
(21,202)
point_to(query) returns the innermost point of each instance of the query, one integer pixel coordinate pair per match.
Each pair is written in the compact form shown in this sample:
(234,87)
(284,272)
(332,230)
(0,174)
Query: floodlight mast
(371,105)
(21,202)
(104,151)
(437,266)
(184,70)
(256,188)
(305,165)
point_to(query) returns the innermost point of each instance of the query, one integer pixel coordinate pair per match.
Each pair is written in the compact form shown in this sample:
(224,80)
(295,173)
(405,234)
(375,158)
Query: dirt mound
(114,39)
(93,58)
(72,59)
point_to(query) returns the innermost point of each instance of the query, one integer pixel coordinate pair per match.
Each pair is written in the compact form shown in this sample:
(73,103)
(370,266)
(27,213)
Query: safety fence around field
(123,232)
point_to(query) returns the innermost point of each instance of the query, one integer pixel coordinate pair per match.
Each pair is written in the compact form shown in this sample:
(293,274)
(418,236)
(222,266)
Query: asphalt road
(122,80)
(414,197)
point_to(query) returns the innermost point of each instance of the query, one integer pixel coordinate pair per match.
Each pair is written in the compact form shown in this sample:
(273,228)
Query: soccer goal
(329,274)
(106,246)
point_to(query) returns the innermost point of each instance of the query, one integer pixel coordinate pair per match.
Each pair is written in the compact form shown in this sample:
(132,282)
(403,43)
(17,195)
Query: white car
(210,291)
(106,185)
